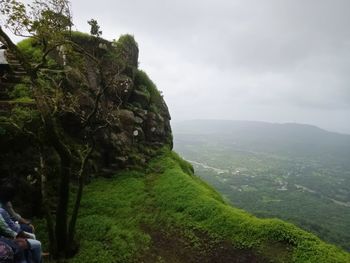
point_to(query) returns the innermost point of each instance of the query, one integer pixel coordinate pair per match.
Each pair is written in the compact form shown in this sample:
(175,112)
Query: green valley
(294,172)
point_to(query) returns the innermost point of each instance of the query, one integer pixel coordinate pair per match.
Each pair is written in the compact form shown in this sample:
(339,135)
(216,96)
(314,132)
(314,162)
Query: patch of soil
(194,247)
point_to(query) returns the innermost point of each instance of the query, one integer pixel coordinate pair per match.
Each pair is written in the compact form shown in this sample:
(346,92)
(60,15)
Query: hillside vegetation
(298,173)
(166,214)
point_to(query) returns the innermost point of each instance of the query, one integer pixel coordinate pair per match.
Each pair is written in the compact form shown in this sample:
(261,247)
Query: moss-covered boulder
(141,97)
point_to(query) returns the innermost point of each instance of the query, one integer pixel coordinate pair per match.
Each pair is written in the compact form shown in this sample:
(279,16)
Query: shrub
(127,47)
(20,91)
(142,79)
(31,49)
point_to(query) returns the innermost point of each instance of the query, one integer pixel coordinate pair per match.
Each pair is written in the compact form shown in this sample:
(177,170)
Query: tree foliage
(94,28)
(43,20)
(48,24)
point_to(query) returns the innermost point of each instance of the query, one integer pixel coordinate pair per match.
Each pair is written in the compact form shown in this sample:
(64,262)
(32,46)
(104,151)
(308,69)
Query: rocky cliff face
(135,116)
(138,115)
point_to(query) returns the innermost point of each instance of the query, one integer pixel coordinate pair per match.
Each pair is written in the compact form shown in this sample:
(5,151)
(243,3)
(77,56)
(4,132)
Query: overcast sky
(267,60)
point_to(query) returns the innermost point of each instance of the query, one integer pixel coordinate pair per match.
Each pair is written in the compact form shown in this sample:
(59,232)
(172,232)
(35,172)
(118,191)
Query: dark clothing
(18,253)
(9,208)
(26,228)
(8,227)
(6,253)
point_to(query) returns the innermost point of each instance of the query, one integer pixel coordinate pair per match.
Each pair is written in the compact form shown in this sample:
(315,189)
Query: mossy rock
(127,119)
(127,46)
(141,96)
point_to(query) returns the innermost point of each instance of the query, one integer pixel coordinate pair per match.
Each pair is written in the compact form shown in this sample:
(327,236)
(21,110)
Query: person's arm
(15,216)
(5,230)
(9,208)
(11,224)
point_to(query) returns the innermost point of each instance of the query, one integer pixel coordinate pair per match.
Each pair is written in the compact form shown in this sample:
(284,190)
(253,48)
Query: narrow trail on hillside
(171,244)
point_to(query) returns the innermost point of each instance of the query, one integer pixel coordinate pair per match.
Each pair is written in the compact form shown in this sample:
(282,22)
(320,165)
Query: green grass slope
(166,214)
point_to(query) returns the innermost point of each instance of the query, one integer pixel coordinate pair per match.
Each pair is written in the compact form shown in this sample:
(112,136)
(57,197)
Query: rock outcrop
(138,118)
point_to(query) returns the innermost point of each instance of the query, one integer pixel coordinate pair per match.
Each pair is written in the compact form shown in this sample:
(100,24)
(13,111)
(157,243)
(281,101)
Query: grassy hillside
(166,214)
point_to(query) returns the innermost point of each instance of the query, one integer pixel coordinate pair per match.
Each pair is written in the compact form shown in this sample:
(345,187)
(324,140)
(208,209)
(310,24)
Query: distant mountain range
(292,139)
(229,126)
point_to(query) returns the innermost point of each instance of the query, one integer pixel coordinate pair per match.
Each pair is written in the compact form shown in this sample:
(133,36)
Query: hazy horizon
(258,121)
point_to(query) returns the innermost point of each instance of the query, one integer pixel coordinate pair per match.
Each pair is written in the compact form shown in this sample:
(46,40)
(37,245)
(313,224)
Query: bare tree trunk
(62,207)
(64,186)
(46,206)
(74,217)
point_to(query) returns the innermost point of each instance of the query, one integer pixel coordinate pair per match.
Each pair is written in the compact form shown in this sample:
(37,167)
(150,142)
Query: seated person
(12,231)
(24,223)
(7,193)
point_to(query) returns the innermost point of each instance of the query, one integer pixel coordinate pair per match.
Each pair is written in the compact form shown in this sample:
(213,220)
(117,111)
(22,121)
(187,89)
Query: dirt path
(176,245)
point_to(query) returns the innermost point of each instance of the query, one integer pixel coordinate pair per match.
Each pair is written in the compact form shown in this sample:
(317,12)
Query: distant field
(294,172)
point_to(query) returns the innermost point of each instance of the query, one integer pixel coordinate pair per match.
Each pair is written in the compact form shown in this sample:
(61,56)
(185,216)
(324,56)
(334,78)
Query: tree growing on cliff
(49,23)
(94,28)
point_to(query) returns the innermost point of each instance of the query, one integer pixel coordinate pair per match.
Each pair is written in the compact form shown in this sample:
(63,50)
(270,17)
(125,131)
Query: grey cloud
(242,59)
